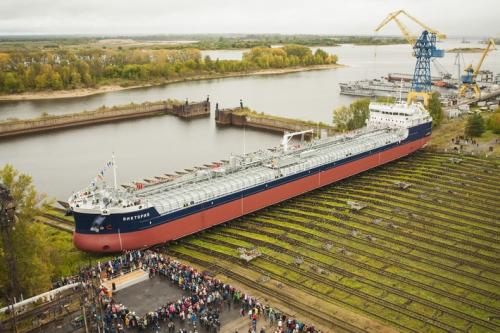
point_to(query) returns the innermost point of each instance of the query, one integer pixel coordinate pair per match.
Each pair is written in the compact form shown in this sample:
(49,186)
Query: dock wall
(236,117)
(104,115)
(191,110)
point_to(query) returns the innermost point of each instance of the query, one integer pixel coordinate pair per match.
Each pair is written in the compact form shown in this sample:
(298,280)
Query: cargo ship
(115,218)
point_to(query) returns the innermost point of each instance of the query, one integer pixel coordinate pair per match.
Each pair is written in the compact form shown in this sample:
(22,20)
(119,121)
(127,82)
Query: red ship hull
(196,222)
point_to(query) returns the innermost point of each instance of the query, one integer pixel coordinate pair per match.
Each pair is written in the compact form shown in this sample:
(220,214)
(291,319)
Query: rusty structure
(241,118)
(191,110)
(105,115)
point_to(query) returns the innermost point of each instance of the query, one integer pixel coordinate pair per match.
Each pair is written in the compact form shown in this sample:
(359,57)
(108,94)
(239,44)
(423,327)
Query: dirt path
(111,88)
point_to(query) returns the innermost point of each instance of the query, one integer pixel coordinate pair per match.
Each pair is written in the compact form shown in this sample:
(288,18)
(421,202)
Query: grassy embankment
(424,259)
(451,128)
(71,260)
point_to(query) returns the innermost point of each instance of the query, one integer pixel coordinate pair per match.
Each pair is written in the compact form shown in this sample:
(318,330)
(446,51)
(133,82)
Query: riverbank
(84,92)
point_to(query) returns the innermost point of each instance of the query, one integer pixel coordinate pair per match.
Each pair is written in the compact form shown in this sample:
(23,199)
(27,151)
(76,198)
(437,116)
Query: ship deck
(166,198)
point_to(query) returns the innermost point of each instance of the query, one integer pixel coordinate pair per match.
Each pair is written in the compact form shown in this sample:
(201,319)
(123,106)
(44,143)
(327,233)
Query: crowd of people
(205,298)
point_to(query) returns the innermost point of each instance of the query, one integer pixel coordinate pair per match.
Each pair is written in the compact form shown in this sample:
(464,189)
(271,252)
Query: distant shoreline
(84,92)
(465,50)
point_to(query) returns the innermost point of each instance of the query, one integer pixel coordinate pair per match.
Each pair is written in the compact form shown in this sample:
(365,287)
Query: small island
(465,50)
(65,72)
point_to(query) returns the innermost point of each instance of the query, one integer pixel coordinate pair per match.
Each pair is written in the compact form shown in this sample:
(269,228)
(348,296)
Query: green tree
(75,79)
(41,81)
(208,62)
(56,81)
(12,83)
(435,109)
(321,53)
(352,117)
(386,99)
(31,248)
(341,117)
(494,122)
(297,50)
(360,110)
(475,126)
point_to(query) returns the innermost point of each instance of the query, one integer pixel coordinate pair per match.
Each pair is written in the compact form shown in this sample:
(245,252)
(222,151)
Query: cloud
(233,16)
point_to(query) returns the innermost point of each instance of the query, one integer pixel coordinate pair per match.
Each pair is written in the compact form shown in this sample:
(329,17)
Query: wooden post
(85,319)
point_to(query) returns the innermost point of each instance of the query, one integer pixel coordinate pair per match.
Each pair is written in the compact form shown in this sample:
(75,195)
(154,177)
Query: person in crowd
(205,298)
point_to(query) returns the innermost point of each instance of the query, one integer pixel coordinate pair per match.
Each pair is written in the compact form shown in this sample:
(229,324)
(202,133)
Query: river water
(64,161)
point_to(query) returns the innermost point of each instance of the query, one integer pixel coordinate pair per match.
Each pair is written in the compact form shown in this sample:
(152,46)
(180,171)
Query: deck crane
(424,48)
(469,79)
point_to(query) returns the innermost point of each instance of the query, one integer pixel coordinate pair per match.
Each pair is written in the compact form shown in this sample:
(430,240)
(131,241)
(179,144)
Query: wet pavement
(148,295)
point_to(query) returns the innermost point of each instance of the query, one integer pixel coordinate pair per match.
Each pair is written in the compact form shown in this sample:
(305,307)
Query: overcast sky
(454,17)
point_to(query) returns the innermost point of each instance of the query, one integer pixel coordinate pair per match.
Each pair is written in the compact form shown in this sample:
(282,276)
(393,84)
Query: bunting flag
(100,174)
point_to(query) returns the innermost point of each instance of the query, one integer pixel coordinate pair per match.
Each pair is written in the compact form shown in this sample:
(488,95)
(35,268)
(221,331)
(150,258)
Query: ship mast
(114,170)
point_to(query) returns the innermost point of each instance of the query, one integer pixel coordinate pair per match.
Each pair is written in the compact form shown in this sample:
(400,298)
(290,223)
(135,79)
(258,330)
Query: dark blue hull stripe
(115,221)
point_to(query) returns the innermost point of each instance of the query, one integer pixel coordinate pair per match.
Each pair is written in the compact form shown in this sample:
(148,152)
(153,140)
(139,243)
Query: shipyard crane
(411,39)
(424,48)
(469,79)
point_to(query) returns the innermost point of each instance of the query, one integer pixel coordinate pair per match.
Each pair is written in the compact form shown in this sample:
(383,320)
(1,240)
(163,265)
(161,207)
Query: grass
(69,260)
(426,267)
(60,214)
(451,128)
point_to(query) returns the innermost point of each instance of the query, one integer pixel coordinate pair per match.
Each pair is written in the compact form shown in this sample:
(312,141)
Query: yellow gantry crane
(424,48)
(411,39)
(469,78)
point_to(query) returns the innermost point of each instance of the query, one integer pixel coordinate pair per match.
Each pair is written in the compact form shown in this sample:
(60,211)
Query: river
(64,161)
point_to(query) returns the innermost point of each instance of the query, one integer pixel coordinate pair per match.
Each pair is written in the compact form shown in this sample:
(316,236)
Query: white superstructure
(400,114)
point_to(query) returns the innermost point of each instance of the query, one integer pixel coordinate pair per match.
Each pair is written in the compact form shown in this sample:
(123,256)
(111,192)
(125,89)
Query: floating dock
(374,88)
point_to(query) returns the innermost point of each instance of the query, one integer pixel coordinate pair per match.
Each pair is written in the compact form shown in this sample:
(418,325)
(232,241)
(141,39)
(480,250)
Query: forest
(198,41)
(41,70)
